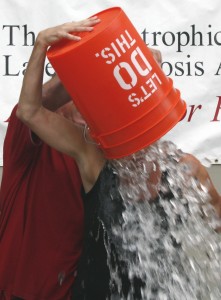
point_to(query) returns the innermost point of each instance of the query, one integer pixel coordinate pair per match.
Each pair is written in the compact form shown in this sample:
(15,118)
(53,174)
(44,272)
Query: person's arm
(54,94)
(54,97)
(53,129)
(199,172)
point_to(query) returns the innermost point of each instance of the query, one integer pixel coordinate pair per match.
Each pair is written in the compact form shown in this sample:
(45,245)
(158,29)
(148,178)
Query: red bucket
(116,84)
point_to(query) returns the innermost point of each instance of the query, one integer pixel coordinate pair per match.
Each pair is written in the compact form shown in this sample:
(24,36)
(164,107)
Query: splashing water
(175,249)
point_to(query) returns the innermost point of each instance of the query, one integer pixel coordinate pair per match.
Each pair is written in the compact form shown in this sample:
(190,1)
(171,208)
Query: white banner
(188,33)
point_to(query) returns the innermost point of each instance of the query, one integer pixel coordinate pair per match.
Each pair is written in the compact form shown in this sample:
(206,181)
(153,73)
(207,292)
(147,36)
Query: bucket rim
(175,104)
(108,152)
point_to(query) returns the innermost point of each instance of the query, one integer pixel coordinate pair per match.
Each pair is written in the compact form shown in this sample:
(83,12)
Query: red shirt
(41,220)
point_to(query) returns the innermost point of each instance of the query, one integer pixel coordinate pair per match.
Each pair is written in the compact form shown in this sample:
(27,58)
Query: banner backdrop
(188,33)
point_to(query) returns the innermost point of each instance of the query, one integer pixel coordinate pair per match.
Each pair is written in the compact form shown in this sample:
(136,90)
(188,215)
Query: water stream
(168,227)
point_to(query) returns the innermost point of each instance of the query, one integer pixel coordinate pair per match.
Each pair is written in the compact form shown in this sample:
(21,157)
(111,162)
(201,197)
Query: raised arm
(31,92)
(49,126)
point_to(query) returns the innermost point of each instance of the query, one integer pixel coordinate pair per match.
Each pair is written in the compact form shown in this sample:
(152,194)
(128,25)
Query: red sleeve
(19,147)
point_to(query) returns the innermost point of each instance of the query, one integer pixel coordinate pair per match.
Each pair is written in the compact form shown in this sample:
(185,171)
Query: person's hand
(157,55)
(68,30)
